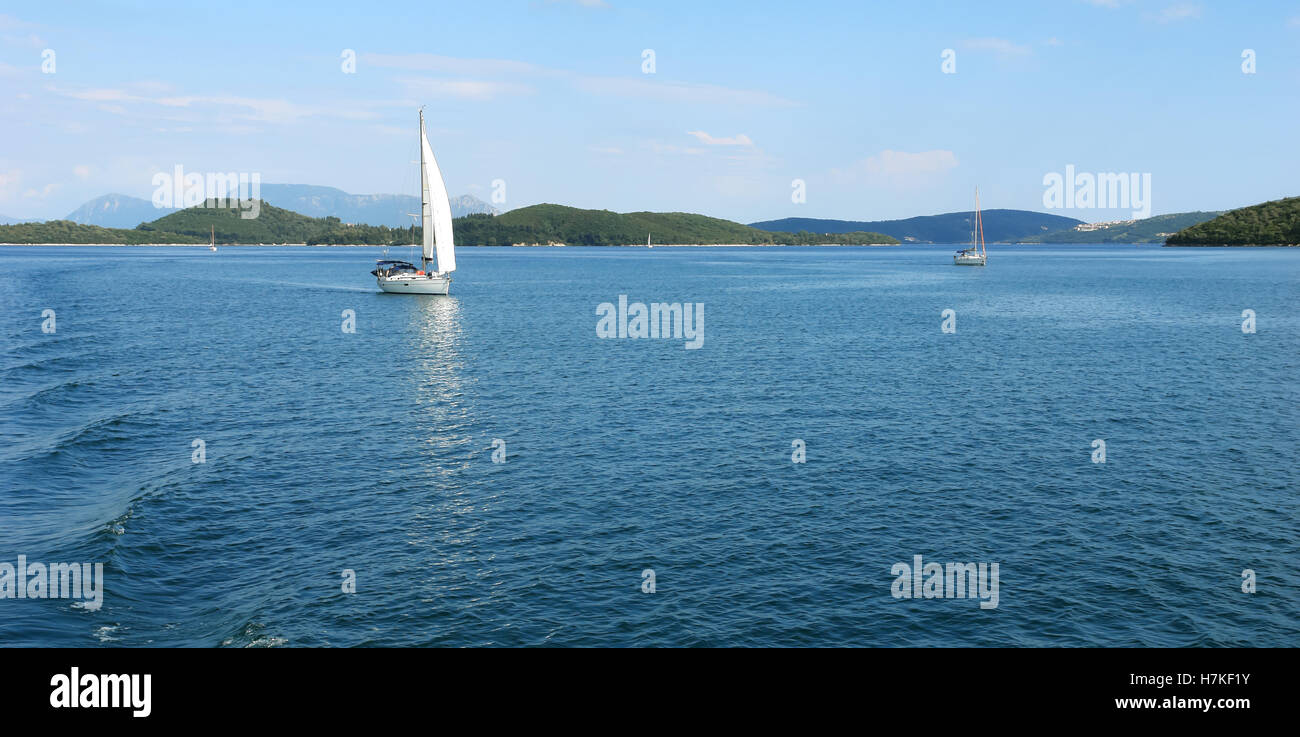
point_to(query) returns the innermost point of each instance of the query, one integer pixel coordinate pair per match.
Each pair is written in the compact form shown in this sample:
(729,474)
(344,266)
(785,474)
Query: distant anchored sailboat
(212,245)
(976,255)
(401,277)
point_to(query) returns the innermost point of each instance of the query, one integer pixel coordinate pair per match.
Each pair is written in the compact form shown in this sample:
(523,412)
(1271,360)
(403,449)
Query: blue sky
(551,98)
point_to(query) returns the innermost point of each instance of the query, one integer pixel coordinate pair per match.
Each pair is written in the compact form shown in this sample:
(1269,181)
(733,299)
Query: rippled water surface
(372,451)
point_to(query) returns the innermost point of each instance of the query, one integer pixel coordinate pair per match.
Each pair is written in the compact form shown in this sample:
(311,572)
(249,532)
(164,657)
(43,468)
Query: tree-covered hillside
(66,231)
(574,226)
(1275,223)
(271,224)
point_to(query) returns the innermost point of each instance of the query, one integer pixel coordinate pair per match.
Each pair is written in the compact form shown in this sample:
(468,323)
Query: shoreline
(540,245)
(660,245)
(1230,245)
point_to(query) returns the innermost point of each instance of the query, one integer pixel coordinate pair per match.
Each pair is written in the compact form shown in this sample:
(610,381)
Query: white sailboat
(212,245)
(647,241)
(401,277)
(976,255)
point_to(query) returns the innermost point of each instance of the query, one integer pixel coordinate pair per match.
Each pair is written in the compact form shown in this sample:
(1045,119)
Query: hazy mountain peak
(117,211)
(394,210)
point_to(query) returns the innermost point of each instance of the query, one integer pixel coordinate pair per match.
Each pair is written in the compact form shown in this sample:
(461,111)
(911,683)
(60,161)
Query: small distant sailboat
(401,277)
(647,241)
(976,255)
(212,244)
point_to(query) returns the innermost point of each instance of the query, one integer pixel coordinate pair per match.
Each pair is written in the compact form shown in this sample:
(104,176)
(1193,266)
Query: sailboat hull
(969,260)
(429,284)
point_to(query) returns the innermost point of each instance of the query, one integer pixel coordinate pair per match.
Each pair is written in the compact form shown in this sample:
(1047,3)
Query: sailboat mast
(424,197)
(979,220)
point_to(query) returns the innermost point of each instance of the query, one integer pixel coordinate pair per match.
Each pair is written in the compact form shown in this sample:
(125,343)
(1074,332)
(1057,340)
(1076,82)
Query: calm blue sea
(372,451)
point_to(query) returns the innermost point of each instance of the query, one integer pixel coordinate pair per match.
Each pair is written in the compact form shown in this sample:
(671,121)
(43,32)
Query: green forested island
(66,231)
(538,224)
(1275,223)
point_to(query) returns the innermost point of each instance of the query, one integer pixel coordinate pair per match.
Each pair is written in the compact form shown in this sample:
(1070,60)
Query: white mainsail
(435,210)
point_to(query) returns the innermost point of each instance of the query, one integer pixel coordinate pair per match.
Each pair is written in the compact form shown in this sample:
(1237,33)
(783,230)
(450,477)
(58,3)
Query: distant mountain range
(1000,226)
(392,210)
(6,220)
(116,211)
(1148,230)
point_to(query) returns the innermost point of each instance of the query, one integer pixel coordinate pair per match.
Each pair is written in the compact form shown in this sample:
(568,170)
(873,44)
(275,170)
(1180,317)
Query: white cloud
(901,163)
(270,110)
(448,64)
(1179,12)
(31,40)
(669,148)
(424,87)
(739,139)
(581,3)
(1000,46)
(522,73)
(81,171)
(99,95)
(41,193)
(10,23)
(679,92)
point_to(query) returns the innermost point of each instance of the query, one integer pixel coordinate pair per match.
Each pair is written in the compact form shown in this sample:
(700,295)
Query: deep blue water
(371,451)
